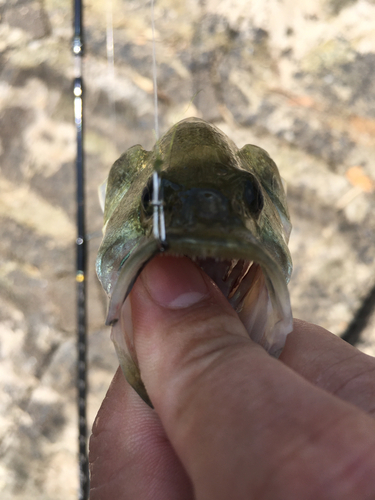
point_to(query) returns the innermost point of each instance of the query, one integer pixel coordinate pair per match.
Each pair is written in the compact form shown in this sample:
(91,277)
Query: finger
(130,455)
(243,424)
(331,363)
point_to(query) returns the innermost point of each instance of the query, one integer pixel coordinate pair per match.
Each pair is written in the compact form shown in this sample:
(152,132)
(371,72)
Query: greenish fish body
(224,207)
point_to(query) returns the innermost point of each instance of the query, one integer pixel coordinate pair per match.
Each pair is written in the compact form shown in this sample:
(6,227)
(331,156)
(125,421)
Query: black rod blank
(81,256)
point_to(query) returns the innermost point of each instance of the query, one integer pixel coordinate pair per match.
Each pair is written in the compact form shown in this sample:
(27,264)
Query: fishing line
(111,59)
(154,74)
(157,197)
(80,255)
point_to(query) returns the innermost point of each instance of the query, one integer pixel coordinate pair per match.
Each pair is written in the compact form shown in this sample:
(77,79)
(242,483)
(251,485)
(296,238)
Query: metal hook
(158,204)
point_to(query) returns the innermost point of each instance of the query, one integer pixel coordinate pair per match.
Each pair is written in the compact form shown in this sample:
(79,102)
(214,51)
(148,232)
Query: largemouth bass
(224,207)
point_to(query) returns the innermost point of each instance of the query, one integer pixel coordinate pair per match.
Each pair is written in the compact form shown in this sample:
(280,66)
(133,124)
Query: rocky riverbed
(295,80)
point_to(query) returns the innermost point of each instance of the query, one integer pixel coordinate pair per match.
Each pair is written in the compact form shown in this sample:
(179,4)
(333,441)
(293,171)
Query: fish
(224,207)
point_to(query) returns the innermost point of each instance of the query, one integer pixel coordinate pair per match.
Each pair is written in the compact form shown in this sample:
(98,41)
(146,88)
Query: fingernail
(174,282)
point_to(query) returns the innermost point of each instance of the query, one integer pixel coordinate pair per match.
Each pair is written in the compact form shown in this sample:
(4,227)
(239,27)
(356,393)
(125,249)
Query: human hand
(231,422)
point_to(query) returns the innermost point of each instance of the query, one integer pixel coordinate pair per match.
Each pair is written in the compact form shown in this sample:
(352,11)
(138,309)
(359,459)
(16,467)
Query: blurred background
(296,80)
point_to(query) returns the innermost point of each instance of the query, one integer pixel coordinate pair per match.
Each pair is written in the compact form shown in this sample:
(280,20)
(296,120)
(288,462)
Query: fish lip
(137,260)
(179,245)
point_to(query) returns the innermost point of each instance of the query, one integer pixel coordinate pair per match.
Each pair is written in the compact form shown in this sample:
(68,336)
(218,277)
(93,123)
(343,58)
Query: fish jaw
(215,257)
(126,355)
(259,295)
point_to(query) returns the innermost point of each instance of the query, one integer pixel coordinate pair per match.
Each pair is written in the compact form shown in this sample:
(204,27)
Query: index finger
(331,363)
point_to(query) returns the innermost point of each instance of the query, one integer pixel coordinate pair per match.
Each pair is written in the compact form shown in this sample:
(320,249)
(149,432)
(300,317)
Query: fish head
(224,207)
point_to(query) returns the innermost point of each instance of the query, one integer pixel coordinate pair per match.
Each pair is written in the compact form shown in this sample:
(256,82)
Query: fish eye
(253,196)
(146,198)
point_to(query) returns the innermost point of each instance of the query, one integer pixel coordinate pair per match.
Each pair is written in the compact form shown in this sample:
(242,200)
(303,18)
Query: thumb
(181,323)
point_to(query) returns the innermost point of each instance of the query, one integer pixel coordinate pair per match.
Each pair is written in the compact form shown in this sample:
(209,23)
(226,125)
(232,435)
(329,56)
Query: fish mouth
(248,277)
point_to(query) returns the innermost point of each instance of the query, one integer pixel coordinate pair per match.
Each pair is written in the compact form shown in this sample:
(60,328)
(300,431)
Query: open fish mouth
(251,281)
(243,284)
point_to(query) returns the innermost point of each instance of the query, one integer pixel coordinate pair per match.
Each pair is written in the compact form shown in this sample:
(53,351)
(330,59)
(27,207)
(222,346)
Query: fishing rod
(81,251)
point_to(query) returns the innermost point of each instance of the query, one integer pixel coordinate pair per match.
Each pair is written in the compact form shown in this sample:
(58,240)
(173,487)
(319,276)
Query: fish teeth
(235,276)
(243,268)
(244,287)
(230,268)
